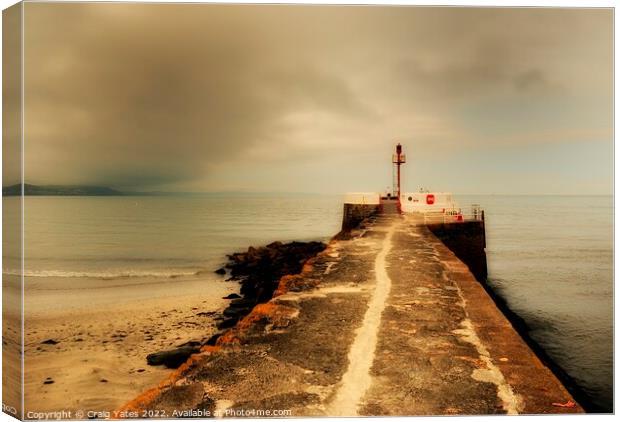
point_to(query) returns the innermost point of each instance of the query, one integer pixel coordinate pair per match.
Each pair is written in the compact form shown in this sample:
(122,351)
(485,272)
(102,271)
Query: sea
(550,257)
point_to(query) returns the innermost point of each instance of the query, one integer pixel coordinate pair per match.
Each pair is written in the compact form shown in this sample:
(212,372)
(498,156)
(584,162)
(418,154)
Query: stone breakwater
(386,322)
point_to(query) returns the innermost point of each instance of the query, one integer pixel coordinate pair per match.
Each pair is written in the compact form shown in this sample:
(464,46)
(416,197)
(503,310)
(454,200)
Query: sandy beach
(104,329)
(11,344)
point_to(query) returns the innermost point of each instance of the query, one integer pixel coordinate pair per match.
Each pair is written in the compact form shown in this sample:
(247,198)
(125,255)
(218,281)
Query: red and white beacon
(398,159)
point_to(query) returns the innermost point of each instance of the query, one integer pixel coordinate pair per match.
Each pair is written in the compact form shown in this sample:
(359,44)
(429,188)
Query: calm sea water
(550,257)
(162,236)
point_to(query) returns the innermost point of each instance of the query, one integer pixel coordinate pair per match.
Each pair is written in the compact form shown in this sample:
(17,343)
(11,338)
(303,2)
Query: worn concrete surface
(389,322)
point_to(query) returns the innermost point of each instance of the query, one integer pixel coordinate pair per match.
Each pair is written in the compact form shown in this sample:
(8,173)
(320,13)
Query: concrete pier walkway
(388,322)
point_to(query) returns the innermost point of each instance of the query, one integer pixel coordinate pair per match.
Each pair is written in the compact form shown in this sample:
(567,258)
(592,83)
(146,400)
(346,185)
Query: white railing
(455,215)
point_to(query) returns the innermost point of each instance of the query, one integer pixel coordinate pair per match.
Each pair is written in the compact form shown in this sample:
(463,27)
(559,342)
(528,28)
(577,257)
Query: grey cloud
(534,81)
(11,95)
(160,95)
(144,98)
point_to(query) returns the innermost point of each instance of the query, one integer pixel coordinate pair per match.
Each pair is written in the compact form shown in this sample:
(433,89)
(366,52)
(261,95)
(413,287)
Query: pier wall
(467,241)
(354,214)
(359,206)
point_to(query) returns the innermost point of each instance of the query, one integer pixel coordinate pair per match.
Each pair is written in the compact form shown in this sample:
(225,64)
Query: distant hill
(86,190)
(59,190)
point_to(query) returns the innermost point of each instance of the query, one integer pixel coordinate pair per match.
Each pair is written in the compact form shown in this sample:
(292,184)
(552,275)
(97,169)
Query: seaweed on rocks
(259,271)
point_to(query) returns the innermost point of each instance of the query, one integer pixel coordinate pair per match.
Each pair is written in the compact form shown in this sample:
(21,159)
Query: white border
(479,3)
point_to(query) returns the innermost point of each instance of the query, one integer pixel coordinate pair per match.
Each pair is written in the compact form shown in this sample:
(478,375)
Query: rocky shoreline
(258,271)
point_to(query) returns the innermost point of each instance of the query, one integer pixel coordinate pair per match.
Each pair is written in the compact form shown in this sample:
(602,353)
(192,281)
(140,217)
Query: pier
(386,321)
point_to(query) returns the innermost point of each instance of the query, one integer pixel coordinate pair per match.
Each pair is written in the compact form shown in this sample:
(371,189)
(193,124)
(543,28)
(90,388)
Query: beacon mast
(398,159)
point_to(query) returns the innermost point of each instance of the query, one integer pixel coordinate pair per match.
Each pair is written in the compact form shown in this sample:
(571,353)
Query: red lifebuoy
(430,199)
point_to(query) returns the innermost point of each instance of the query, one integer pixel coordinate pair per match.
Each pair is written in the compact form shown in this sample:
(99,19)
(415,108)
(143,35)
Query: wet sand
(104,331)
(11,345)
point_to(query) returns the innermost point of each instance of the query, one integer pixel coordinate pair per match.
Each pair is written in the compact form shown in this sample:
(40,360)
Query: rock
(234,312)
(191,343)
(260,269)
(213,339)
(206,314)
(103,380)
(141,370)
(171,358)
(227,323)
(220,271)
(48,380)
(242,303)
(50,341)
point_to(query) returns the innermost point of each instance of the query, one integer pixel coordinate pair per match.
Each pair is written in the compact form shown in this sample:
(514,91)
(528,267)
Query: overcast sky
(313,99)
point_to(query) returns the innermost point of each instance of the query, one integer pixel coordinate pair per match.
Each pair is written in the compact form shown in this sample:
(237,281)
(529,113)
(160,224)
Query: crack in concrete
(357,378)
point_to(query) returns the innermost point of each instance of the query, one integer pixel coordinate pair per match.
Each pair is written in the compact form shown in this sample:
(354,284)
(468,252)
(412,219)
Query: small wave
(106,274)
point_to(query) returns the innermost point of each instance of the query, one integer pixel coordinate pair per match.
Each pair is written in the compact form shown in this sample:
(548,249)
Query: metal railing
(455,215)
